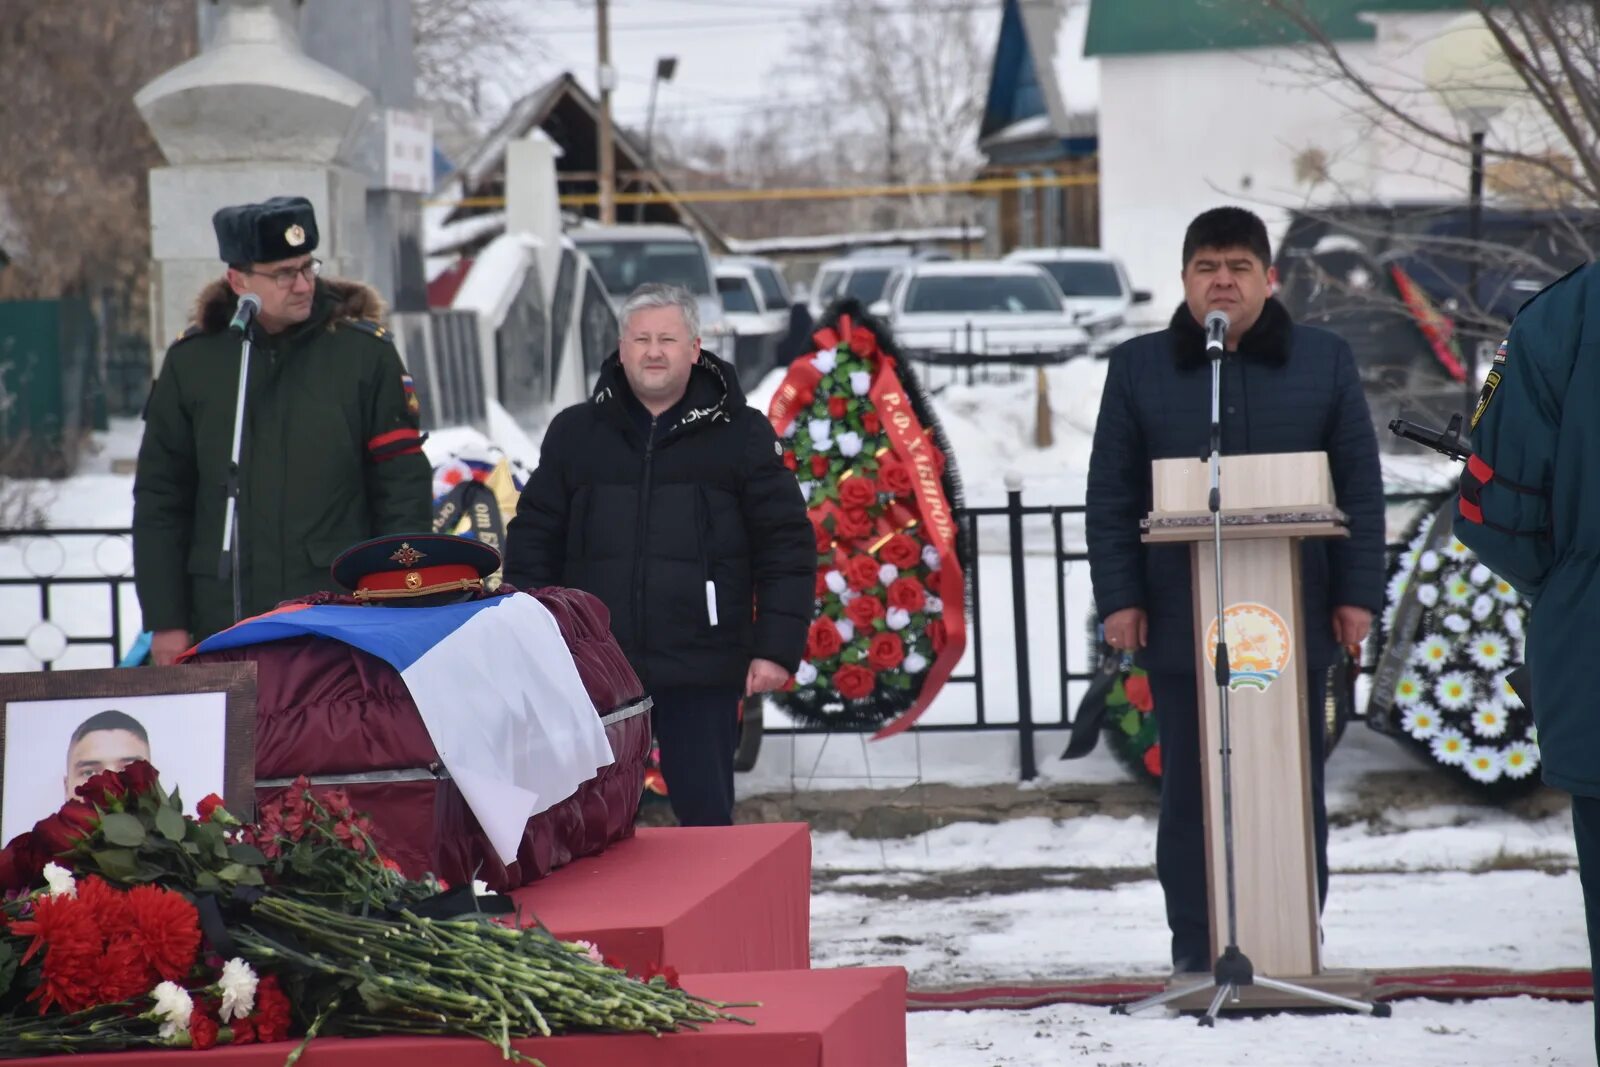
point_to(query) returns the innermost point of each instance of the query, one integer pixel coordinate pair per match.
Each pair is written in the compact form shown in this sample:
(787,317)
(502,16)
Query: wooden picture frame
(41,711)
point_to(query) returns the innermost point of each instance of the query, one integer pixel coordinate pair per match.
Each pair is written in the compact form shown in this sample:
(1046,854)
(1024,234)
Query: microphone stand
(1233,969)
(228,564)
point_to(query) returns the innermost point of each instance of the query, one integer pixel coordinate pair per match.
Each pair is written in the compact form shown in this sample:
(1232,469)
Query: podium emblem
(1259,645)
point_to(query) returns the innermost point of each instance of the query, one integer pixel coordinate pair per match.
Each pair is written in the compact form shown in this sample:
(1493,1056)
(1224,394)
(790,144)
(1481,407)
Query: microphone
(250,304)
(1217,323)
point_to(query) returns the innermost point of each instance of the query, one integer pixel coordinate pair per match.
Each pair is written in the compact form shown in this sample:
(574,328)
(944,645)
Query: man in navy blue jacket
(1285,388)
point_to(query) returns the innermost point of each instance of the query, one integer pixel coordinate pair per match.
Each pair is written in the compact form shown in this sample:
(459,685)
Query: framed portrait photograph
(195,724)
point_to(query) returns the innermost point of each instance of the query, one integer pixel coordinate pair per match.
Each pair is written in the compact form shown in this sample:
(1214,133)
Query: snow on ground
(1446,884)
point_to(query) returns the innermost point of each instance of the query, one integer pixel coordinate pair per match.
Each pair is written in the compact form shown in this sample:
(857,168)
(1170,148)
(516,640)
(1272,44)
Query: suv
(1099,296)
(975,311)
(756,304)
(627,257)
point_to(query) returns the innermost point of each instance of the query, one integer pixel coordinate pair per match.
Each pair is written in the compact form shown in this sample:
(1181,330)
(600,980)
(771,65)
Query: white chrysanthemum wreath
(1452,698)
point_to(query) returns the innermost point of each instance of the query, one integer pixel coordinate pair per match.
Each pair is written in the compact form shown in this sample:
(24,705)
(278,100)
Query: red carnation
(863,610)
(271,1019)
(790,461)
(907,595)
(202,1029)
(902,551)
(242,1032)
(824,640)
(857,492)
(870,423)
(886,651)
(836,407)
(1138,689)
(167,929)
(140,777)
(854,681)
(208,806)
(937,635)
(861,572)
(66,931)
(852,524)
(104,790)
(819,465)
(894,476)
(1152,759)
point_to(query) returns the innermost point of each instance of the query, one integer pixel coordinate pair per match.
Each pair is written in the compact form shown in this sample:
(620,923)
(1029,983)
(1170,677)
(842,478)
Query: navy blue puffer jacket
(1289,388)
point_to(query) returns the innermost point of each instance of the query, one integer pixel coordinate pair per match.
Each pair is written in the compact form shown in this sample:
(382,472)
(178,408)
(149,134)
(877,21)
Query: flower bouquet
(1451,632)
(881,490)
(128,924)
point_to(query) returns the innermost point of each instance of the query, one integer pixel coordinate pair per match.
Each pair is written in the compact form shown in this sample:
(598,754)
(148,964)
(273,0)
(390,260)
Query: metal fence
(47,567)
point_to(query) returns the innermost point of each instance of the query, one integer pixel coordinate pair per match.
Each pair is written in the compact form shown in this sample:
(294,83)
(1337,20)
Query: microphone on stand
(249,305)
(1217,323)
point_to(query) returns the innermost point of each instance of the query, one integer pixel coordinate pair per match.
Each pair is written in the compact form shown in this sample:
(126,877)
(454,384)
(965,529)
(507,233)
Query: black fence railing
(66,600)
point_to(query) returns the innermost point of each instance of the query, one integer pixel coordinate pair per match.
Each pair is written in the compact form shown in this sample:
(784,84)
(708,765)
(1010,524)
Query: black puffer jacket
(644,528)
(1289,388)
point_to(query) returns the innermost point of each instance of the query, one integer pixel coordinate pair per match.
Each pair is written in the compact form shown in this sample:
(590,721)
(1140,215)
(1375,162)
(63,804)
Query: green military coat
(330,455)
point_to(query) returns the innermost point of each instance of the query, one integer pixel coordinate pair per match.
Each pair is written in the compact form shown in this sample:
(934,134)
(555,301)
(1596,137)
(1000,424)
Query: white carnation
(898,618)
(238,983)
(825,360)
(888,573)
(915,663)
(835,582)
(821,431)
(60,881)
(174,1006)
(1427,595)
(847,630)
(805,674)
(930,557)
(1429,562)
(849,444)
(860,382)
(933,605)
(791,429)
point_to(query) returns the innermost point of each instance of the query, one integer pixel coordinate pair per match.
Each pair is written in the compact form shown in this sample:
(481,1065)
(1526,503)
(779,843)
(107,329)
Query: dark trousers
(1586,829)
(1181,832)
(698,731)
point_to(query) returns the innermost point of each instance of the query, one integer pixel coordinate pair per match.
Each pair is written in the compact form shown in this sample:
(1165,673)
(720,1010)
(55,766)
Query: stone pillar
(249,118)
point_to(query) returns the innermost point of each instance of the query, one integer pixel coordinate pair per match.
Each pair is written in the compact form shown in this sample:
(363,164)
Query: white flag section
(495,685)
(509,716)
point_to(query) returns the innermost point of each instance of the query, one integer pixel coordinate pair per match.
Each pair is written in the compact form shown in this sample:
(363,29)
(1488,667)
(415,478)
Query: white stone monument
(249,118)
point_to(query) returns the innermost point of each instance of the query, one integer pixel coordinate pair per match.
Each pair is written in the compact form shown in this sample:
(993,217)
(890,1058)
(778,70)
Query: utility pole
(608,154)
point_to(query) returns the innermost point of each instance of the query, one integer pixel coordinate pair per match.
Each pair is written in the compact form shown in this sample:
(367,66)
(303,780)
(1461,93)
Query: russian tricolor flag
(496,687)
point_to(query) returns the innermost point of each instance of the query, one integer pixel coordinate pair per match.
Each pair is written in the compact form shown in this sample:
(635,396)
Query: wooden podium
(1270,503)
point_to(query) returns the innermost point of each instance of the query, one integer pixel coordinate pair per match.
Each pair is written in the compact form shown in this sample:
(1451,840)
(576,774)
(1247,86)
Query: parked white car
(862,276)
(982,309)
(1097,290)
(755,305)
(628,256)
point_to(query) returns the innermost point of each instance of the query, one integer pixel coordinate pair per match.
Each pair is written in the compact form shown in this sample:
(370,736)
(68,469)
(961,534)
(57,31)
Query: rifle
(1447,442)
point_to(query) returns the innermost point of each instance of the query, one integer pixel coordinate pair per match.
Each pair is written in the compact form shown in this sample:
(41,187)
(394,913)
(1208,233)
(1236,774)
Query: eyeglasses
(283,279)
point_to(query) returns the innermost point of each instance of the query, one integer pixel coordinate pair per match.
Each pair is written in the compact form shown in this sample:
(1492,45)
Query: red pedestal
(852,1017)
(701,899)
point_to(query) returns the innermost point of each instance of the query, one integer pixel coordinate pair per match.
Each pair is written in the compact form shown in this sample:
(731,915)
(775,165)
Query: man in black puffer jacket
(666,496)
(1286,388)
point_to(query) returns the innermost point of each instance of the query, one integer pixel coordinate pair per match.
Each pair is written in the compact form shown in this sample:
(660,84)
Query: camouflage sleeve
(1503,512)
(163,506)
(399,479)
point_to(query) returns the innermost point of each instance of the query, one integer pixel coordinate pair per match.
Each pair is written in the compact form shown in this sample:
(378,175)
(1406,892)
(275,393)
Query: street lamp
(666,67)
(1467,70)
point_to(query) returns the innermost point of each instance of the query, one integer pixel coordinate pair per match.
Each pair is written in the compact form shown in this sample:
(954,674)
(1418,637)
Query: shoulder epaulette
(377,330)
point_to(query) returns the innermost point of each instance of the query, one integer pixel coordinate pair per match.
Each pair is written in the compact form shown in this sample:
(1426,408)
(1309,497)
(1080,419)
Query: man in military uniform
(1529,509)
(330,451)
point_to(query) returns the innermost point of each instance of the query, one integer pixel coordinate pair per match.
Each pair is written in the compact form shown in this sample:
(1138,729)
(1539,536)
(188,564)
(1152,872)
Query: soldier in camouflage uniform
(330,452)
